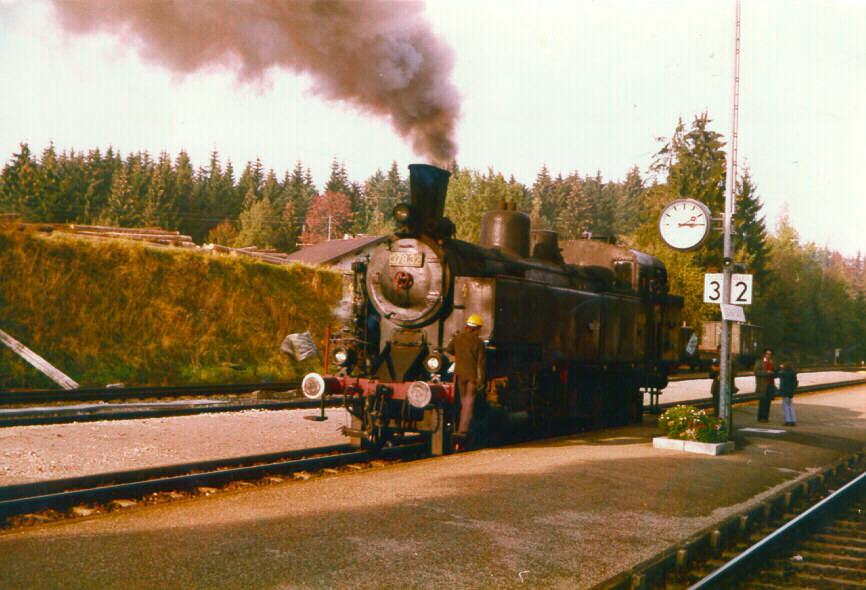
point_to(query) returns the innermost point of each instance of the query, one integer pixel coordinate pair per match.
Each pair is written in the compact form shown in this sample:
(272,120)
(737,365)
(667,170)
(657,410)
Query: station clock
(685,224)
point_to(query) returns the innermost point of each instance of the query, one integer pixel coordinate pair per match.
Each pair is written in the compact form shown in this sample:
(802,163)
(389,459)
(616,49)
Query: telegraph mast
(725,369)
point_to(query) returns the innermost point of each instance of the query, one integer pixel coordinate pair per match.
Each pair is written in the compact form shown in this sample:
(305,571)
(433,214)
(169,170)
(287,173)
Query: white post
(725,369)
(38,362)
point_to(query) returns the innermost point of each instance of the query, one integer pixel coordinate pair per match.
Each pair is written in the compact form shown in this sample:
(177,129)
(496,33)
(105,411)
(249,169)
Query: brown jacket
(763,377)
(468,349)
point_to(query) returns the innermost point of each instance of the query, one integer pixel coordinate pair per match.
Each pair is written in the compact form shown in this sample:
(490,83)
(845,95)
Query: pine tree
(751,232)
(183,188)
(338,182)
(603,202)
(120,210)
(630,208)
(369,217)
(51,203)
(381,194)
(159,207)
(299,191)
(543,190)
(287,238)
(99,172)
(21,183)
(274,191)
(256,226)
(574,216)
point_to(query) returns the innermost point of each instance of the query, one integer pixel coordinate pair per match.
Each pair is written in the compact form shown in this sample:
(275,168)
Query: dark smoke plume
(378,55)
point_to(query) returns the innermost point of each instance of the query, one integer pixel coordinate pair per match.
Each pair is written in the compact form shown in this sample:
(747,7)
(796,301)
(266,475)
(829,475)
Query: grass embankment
(105,312)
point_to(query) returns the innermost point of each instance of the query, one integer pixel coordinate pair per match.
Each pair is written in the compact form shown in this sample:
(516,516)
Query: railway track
(108,394)
(28,416)
(809,535)
(56,498)
(62,415)
(80,496)
(823,547)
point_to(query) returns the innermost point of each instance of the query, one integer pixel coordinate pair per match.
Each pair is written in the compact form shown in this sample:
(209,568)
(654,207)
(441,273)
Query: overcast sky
(580,86)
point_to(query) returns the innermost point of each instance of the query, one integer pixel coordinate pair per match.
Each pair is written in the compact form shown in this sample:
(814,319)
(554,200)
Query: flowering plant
(689,423)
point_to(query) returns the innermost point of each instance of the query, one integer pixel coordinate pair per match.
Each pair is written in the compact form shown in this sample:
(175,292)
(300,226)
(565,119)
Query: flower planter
(691,446)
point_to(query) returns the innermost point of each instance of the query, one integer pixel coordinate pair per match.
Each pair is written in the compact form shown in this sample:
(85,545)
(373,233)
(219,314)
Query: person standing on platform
(715,387)
(765,384)
(467,349)
(787,386)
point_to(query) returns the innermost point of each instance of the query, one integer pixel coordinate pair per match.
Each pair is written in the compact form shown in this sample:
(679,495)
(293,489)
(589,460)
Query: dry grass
(122,311)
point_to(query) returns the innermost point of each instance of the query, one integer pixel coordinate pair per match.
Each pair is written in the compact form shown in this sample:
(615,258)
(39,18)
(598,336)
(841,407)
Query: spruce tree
(543,191)
(120,209)
(751,232)
(21,183)
(630,206)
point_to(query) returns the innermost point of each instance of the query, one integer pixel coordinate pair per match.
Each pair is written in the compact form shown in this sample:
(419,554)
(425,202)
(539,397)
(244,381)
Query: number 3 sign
(741,288)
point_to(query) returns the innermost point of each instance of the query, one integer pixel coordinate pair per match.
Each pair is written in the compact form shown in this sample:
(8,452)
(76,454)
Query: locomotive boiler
(570,343)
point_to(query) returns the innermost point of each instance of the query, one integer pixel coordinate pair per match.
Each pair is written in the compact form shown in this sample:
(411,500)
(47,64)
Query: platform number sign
(741,288)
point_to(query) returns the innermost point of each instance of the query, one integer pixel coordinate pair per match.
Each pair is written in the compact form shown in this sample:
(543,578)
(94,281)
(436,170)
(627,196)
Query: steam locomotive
(570,343)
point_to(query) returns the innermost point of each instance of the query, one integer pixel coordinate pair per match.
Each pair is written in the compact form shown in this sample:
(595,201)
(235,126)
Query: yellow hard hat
(475,321)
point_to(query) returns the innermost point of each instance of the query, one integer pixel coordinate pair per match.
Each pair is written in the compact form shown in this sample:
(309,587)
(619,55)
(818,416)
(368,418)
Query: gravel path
(33,453)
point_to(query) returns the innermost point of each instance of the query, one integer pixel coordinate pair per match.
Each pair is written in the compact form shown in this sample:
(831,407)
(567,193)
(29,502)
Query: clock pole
(725,369)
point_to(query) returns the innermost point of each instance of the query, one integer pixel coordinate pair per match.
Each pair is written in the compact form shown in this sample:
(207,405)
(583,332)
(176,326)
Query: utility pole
(725,369)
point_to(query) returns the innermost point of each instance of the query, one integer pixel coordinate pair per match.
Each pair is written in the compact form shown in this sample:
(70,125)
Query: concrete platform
(564,513)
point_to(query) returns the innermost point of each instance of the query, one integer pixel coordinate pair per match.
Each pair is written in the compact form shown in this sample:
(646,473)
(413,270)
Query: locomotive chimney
(428,186)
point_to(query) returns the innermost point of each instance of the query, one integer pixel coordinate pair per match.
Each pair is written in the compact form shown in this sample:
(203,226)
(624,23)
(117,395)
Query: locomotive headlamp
(419,394)
(313,386)
(433,363)
(402,213)
(341,355)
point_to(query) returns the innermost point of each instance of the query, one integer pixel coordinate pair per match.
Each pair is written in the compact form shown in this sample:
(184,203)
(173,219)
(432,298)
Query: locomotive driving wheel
(374,422)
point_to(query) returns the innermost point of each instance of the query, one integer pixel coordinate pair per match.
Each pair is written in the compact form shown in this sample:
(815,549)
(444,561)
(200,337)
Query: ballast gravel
(35,453)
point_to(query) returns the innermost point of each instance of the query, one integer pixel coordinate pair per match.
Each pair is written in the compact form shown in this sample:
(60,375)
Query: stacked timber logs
(151,235)
(264,254)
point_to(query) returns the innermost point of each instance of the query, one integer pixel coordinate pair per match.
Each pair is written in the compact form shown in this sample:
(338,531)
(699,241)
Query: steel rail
(62,416)
(118,393)
(57,495)
(707,402)
(749,559)
(97,414)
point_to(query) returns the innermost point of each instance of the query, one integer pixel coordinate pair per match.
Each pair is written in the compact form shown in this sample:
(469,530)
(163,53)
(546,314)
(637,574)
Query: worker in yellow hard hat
(467,350)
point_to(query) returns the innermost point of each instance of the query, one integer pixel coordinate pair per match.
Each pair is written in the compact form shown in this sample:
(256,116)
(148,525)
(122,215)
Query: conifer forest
(810,300)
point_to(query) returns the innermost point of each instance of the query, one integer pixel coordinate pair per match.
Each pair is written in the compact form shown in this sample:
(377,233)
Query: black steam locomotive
(570,342)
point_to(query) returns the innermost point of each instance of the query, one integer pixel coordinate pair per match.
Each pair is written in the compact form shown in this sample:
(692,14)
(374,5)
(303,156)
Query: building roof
(330,251)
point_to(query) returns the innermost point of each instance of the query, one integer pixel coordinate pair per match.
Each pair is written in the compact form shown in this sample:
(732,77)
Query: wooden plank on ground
(37,361)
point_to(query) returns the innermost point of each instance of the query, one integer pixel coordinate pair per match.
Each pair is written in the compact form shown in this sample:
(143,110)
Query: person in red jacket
(765,384)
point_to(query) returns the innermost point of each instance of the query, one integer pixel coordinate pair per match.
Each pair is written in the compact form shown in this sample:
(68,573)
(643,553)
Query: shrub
(689,423)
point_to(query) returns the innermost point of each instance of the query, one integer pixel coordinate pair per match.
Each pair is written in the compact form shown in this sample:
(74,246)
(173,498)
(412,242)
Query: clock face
(685,224)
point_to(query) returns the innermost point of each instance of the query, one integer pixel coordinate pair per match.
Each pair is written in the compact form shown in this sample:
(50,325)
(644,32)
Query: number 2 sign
(741,288)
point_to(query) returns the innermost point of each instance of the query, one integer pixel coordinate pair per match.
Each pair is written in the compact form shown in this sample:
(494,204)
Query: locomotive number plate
(406,259)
